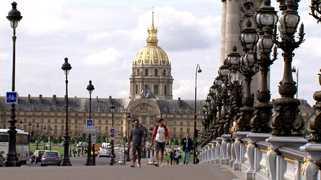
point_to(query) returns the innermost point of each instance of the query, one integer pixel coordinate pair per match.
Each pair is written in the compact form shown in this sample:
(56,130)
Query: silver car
(51,158)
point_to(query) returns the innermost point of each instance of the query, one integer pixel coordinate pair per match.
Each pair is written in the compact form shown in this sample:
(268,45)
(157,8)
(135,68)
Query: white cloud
(108,57)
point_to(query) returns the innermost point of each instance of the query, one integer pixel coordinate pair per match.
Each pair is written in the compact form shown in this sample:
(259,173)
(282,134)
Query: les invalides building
(150,99)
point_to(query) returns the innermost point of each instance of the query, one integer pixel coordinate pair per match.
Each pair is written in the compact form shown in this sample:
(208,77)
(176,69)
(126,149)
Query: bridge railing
(264,157)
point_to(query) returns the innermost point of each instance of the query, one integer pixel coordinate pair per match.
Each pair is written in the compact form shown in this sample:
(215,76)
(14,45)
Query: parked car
(36,157)
(51,158)
(104,152)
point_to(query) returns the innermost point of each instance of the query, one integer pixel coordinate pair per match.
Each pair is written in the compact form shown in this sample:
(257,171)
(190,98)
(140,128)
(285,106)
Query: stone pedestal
(226,147)
(253,152)
(239,148)
(310,168)
(274,165)
(218,150)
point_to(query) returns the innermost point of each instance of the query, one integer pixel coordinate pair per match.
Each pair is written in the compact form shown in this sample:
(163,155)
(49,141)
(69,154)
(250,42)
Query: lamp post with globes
(198,70)
(90,161)
(287,121)
(112,159)
(66,67)
(14,17)
(266,20)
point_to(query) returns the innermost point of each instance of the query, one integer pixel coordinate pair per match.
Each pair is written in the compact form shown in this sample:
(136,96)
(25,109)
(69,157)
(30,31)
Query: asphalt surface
(104,171)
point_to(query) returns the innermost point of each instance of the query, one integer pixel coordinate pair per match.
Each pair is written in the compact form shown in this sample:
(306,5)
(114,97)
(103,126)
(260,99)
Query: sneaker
(133,164)
(138,165)
(156,165)
(162,165)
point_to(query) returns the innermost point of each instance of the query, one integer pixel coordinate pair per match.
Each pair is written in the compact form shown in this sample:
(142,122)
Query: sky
(101,39)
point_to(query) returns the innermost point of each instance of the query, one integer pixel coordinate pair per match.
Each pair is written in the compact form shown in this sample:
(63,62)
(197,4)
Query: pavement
(121,172)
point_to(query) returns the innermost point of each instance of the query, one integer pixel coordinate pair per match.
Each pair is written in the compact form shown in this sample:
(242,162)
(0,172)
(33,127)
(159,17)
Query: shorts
(160,146)
(137,147)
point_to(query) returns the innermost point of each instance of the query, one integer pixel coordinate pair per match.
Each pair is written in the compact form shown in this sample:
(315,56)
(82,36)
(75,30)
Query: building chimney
(40,98)
(97,98)
(29,98)
(179,103)
(110,100)
(54,100)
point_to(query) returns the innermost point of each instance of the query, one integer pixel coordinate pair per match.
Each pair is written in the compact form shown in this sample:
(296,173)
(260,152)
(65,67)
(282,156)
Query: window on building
(180,130)
(174,130)
(164,72)
(48,120)
(33,120)
(62,121)
(156,72)
(146,72)
(156,89)
(165,90)
(187,123)
(99,122)
(181,123)
(138,73)
(136,89)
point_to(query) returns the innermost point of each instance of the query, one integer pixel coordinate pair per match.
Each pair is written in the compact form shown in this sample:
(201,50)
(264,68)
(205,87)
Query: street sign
(112,130)
(11,97)
(90,122)
(89,129)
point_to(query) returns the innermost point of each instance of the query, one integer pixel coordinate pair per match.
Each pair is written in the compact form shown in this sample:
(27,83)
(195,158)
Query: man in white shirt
(161,137)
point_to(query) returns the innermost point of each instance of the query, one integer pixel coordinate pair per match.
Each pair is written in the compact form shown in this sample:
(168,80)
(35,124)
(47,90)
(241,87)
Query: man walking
(187,147)
(161,136)
(137,136)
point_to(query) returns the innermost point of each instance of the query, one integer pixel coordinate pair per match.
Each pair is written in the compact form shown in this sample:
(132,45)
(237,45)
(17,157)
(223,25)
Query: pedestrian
(187,144)
(172,155)
(161,136)
(2,159)
(137,138)
(177,156)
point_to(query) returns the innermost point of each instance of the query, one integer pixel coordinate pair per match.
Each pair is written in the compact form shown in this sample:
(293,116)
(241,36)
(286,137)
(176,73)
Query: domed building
(150,99)
(151,71)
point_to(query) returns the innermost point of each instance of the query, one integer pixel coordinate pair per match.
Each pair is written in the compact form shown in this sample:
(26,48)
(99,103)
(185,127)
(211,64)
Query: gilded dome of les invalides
(152,54)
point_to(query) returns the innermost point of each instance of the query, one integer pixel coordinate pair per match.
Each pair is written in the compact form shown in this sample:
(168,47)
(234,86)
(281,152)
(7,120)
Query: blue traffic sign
(112,130)
(12,97)
(90,122)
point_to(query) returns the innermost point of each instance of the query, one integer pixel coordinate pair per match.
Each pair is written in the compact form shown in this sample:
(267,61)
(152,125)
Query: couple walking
(137,136)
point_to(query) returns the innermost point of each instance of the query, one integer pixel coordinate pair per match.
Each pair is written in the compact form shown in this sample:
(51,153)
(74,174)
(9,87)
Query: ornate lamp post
(287,121)
(66,67)
(112,159)
(14,17)
(248,68)
(316,9)
(233,61)
(223,73)
(90,161)
(266,20)
(198,70)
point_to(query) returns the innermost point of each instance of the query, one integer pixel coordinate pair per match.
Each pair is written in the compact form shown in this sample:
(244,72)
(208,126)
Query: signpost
(90,122)
(112,132)
(11,97)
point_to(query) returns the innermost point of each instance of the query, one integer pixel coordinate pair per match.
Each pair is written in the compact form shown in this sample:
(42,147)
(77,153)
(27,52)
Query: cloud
(108,57)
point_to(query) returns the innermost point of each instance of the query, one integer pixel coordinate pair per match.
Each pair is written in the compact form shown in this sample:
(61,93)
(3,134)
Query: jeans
(186,156)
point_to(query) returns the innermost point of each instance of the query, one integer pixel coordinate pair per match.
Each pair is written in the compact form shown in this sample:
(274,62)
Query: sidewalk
(120,172)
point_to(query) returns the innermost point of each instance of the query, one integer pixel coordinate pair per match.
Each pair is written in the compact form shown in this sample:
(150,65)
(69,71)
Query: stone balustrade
(261,156)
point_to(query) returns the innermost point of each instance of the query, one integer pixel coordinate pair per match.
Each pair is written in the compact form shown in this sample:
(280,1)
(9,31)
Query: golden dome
(151,54)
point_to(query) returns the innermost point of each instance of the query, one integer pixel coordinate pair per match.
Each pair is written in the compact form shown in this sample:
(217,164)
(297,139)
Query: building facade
(150,99)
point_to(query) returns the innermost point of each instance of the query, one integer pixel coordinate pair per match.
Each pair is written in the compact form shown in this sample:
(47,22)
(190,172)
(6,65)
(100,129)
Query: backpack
(157,128)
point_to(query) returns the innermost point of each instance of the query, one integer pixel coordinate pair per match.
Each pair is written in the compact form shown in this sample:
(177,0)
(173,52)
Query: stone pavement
(120,172)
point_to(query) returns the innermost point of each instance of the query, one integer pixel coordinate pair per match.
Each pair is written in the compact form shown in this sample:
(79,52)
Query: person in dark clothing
(187,144)
(137,136)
